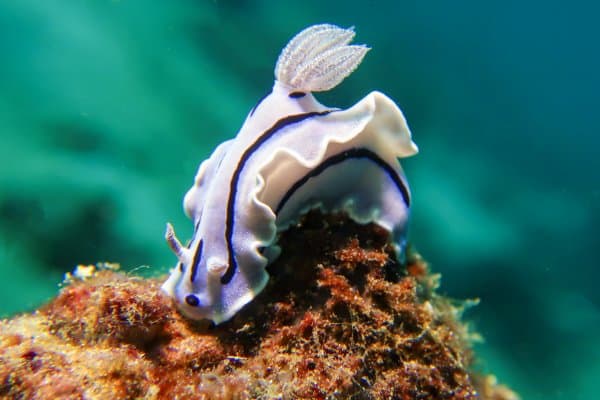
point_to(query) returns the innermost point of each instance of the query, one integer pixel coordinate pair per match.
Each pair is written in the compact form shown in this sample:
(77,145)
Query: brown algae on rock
(339,319)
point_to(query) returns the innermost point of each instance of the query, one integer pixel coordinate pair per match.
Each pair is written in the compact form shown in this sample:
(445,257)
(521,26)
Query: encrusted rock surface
(339,319)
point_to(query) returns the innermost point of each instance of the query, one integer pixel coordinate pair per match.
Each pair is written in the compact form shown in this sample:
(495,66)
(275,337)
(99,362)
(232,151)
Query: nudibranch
(292,154)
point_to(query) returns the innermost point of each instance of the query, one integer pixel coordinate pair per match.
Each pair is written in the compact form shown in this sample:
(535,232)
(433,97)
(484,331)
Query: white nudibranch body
(291,154)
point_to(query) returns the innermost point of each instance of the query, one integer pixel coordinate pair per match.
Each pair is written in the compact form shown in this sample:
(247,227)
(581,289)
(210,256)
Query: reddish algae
(339,319)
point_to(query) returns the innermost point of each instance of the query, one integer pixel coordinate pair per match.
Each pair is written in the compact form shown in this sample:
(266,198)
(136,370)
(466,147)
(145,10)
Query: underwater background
(107,108)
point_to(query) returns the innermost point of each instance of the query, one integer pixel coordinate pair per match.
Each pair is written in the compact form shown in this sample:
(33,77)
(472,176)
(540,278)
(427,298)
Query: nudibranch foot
(292,154)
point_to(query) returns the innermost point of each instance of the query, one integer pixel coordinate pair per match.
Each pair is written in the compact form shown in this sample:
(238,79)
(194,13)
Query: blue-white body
(291,154)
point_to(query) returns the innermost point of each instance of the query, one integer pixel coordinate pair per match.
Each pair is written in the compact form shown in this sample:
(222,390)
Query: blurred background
(107,108)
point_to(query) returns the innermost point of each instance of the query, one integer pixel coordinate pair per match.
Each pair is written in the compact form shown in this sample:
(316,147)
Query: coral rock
(339,319)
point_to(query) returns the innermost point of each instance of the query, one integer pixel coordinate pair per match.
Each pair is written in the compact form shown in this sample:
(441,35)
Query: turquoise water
(107,107)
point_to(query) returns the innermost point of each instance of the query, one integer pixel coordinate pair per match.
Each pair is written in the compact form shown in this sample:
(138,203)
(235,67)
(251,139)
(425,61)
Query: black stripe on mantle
(196,261)
(355,153)
(264,137)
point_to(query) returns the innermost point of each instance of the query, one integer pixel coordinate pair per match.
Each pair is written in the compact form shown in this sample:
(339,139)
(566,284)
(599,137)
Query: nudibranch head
(291,154)
(190,304)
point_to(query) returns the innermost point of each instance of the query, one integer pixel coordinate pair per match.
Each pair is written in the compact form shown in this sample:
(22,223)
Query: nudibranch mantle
(291,154)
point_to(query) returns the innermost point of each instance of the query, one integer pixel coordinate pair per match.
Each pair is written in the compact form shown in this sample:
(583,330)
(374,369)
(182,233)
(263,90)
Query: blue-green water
(107,107)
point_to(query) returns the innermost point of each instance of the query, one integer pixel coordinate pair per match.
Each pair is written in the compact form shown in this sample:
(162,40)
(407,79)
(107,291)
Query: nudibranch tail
(319,58)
